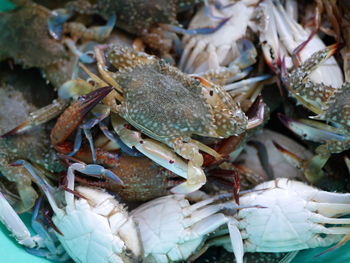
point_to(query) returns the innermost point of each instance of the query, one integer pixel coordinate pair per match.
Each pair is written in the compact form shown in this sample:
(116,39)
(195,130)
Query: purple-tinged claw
(194,31)
(256,113)
(90,100)
(311,130)
(73,116)
(56,21)
(18,163)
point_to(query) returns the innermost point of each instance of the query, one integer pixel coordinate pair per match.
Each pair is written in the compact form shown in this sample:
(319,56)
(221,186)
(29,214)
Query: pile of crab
(175,131)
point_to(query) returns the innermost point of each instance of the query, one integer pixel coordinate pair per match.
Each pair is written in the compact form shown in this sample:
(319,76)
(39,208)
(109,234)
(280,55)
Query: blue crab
(31,146)
(153,22)
(190,106)
(25,39)
(329,105)
(282,37)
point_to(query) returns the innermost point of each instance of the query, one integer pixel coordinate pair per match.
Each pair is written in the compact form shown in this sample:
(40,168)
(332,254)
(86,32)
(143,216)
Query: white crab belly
(163,234)
(87,236)
(282,226)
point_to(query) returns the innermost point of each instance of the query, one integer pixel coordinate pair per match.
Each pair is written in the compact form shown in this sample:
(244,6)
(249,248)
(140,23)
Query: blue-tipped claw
(105,31)
(95,169)
(56,21)
(87,58)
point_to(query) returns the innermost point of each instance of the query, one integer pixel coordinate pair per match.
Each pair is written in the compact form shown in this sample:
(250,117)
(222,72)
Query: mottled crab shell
(135,16)
(338,108)
(24,37)
(165,103)
(143,14)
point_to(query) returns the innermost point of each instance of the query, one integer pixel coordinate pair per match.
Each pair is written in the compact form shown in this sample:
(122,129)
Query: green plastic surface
(11,252)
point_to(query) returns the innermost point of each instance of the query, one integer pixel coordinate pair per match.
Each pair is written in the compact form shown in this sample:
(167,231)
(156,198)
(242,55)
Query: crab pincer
(73,117)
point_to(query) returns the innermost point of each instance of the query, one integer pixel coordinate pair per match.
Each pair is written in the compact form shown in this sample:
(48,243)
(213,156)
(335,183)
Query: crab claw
(98,170)
(256,113)
(195,180)
(73,115)
(56,21)
(312,130)
(162,155)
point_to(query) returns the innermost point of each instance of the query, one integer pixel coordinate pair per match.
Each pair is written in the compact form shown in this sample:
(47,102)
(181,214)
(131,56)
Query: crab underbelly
(168,240)
(273,229)
(87,236)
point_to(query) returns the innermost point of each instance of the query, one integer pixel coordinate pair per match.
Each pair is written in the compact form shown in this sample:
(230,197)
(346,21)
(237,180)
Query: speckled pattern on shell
(135,16)
(299,82)
(166,103)
(25,38)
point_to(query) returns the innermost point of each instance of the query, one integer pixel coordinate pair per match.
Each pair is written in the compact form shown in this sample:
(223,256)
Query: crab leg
(312,130)
(48,240)
(39,117)
(237,69)
(102,65)
(194,31)
(83,57)
(318,132)
(15,225)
